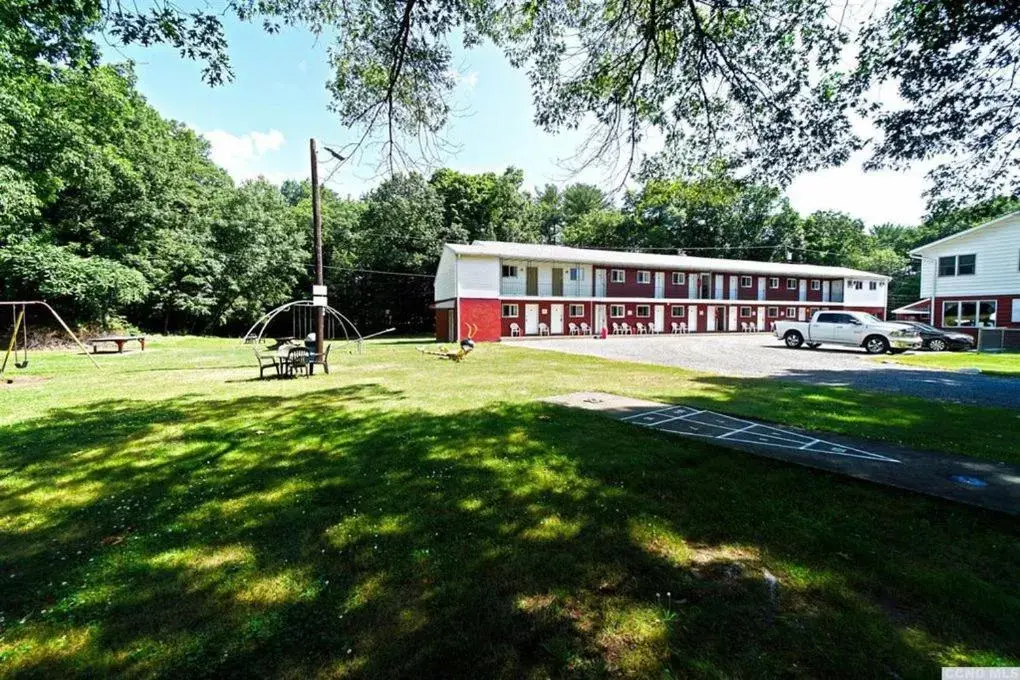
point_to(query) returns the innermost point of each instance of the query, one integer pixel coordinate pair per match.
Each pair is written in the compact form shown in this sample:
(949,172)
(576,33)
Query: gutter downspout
(934,283)
(456,288)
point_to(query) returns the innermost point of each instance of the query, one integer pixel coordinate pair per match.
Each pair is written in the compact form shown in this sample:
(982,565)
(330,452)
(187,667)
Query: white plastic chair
(543,329)
(752,327)
(625,328)
(572,327)
(674,328)
(584,328)
(743,326)
(640,328)
(515,330)
(683,327)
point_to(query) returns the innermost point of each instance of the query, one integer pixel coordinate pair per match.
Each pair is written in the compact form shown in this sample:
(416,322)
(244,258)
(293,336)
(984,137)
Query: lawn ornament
(466,346)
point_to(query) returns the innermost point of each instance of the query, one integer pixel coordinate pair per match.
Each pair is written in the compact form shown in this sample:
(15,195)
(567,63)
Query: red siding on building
(1003,311)
(481,313)
(443,325)
(544,314)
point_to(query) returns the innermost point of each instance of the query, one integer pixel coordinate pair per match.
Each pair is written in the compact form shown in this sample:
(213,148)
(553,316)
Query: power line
(378,271)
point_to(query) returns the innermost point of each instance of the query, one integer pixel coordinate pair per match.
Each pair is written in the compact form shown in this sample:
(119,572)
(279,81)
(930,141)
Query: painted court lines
(698,423)
(989,484)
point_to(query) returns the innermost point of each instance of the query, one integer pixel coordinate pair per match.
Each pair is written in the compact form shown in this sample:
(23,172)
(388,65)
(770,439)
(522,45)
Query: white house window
(616,311)
(677,310)
(509,271)
(510,311)
(745,281)
(774,282)
(617,275)
(644,311)
(857,285)
(791,284)
(957,265)
(745,312)
(644,277)
(773,312)
(816,284)
(969,313)
(791,311)
(576,274)
(679,278)
(872,285)
(576,311)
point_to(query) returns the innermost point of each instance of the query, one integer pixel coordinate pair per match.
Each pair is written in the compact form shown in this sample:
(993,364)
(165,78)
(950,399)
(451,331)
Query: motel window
(857,285)
(644,311)
(791,311)
(576,311)
(576,274)
(774,282)
(966,264)
(872,285)
(791,284)
(980,313)
(616,311)
(679,278)
(644,277)
(745,312)
(677,310)
(510,311)
(816,284)
(617,275)
(509,271)
(745,281)
(773,312)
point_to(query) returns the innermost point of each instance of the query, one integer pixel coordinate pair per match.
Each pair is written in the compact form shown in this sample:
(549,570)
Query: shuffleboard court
(988,484)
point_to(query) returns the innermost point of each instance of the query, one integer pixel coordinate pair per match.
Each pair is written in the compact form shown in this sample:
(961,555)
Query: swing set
(19,312)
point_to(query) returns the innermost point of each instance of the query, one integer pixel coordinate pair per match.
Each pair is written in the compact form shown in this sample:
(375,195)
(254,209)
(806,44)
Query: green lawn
(407,517)
(1007,365)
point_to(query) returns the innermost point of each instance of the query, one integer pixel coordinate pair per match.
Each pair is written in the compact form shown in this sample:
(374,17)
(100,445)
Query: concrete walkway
(987,484)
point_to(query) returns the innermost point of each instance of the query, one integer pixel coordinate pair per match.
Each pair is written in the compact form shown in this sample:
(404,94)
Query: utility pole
(320,312)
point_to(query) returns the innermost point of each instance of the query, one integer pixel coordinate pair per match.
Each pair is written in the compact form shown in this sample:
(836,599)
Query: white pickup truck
(857,329)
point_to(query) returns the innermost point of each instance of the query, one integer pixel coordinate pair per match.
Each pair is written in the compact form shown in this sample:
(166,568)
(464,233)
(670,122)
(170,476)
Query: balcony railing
(508,288)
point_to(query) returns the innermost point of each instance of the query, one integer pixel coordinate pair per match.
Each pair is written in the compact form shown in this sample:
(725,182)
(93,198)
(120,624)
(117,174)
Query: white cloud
(467,80)
(239,155)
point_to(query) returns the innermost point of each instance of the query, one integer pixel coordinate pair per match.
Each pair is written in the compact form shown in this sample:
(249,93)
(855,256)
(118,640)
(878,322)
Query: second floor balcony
(515,288)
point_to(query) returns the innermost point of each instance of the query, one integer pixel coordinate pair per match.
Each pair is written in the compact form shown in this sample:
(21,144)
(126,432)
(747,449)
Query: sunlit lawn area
(1006,364)
(407,517)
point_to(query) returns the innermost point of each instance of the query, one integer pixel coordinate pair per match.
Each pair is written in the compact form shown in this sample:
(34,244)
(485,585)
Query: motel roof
(547,253)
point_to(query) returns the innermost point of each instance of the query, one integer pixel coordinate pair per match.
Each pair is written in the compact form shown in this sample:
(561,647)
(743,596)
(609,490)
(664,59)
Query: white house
(495,290)
(971,279)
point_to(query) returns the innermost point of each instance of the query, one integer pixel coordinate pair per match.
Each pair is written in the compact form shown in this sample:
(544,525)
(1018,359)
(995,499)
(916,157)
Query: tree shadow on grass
(328,534)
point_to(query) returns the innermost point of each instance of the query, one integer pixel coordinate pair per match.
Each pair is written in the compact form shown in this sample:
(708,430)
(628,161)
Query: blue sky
(260,123)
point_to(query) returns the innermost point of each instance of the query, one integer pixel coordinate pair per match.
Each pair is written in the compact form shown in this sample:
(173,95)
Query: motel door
(802,293)
(556,319)
(531,319)
(600,286)
(600,315)
(733,318)
(801,314)
(710,319)
(761,318)
(660,284)
(660,318)
(692,318)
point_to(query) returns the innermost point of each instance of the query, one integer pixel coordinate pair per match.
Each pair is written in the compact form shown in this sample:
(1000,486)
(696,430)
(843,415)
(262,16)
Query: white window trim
(644,274)
(977,310)
(513,268)
(790,280)
(580,274)
(745,316)
(679,278)
(772,312)
(514,306)
(614,272)
(673,314)
(637,311)
(621,315)
(774,282)
(791,309)
(571,308)
(816,284)
(749,284)
(956,265)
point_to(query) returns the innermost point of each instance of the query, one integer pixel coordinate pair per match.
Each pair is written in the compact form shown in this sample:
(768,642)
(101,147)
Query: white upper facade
(489,269)
(984,260)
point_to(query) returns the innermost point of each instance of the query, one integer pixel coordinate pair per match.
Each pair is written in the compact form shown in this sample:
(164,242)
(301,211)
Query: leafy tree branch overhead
(769,86)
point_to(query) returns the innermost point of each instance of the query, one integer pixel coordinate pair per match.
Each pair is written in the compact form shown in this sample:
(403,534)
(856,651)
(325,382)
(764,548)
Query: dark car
(938,340)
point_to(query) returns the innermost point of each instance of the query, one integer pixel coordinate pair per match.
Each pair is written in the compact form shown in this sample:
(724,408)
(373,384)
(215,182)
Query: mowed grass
(407,517)
(1006,364)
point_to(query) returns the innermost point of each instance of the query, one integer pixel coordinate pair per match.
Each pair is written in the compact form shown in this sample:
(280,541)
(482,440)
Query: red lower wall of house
(483,315)
(1003,311)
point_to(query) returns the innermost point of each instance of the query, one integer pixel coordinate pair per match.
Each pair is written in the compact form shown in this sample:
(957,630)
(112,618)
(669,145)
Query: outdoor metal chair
(266,361)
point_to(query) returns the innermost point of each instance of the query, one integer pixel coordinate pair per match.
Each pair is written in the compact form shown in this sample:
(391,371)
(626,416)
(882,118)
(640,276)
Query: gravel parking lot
(760,356)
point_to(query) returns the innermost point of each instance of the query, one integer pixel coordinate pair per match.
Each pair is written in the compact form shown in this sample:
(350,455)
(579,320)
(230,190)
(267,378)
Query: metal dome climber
(338,326)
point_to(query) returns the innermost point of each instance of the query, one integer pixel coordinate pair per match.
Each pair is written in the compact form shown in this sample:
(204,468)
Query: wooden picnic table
(119,340)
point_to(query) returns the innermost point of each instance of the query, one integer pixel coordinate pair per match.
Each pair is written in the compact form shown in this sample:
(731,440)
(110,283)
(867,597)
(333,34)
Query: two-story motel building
(501,290)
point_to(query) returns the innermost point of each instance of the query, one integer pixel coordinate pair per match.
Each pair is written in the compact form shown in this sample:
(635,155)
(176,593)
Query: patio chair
(674,328)
(297,361)
(640,328)
(543,329)
(572,327)
(625,328)
(616,328)
(585,330)
(321,359)
(752,327)
(515,330)
(743,326)
(266,361)
(683,327)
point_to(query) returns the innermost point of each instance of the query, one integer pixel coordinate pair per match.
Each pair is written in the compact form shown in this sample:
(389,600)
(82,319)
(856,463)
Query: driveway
(763,356)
